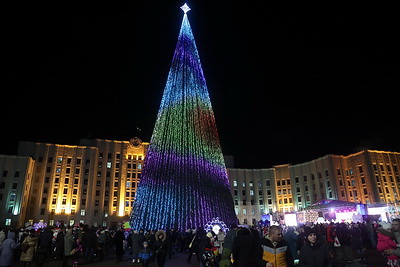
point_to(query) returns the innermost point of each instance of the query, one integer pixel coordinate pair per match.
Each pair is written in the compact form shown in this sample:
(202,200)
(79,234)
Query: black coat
(246,249)
(314,256)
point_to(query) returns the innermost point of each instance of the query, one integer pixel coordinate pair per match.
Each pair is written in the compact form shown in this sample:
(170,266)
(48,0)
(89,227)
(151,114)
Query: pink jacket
(385,241)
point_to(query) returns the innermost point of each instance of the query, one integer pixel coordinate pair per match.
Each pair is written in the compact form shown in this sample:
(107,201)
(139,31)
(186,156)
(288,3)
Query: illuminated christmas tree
(184,182)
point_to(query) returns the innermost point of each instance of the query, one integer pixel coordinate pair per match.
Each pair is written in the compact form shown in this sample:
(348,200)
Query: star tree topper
(185,8)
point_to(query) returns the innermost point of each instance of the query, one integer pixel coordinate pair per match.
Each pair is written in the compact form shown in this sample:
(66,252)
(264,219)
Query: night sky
(287,84)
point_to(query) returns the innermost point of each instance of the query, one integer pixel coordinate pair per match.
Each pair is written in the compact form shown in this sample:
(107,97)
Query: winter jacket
(291,239)
(385,241)
(244,249)
(229,238)
(225,258)
(69,243)
(7,250)
(161,246)
(316,255)
(2,236)
(31,241)
(145,254)
(137,242)
(277,253)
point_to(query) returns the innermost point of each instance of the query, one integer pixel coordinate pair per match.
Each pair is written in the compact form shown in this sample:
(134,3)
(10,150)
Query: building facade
(15,186)
(368,177)
(95,183)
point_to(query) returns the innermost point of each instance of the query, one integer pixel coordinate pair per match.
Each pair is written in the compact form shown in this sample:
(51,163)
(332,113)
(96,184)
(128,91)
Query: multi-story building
(254,193)
(15,185)
(368,176)
(93,183)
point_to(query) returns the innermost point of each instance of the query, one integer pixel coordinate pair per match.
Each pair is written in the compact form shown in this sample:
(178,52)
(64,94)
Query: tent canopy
(331,203)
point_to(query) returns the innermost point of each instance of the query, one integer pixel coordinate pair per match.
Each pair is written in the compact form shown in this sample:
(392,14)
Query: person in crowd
(2,236)
(89,243)
(395,229)
(220,240)
(276,252)
(59,242)
(301,238)
(386,241)
(371,233)
(244,249)
(28,248)
(161,248)
(315,252)
(44,245)
(119,244)
(69,245)
(194,246)
(330,235)
(172,236)
(7,249)
(101,244)
(357,244)
(343,252)
(291,239)
(206,247)
(230,236)
(145,254)
(137,243)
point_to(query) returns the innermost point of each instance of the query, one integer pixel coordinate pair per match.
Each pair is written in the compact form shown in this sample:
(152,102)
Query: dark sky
(287,84)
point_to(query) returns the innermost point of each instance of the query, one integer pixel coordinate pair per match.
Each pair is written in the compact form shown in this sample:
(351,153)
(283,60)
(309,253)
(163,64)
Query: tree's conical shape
(184,182)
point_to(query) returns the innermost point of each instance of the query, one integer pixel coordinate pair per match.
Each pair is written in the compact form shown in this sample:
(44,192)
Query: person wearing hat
(315,251)
(145,254)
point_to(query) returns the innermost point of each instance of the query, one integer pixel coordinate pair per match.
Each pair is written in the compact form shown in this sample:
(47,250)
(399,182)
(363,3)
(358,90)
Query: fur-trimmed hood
(161,232)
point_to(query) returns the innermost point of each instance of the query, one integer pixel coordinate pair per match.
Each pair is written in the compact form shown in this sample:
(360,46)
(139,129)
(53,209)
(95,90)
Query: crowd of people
(316,245)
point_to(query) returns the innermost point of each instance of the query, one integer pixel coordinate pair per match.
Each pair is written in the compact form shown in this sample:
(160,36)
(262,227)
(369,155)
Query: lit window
(108,164)
(235,183)
(82,212)
(251,193)
(8,221)
(59,160)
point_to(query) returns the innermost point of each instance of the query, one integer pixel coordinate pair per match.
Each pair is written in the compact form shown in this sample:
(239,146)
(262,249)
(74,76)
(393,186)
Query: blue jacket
(7,250)
(145,254)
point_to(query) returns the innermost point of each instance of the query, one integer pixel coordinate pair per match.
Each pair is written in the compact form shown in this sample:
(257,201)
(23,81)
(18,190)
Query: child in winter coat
(386,241)
(145,254)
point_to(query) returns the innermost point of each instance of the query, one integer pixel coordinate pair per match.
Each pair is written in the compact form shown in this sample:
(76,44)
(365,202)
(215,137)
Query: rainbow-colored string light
(184,181)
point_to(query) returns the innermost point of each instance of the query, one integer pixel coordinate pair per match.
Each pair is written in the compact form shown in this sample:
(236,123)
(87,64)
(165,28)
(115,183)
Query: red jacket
(385,241)
(330,233)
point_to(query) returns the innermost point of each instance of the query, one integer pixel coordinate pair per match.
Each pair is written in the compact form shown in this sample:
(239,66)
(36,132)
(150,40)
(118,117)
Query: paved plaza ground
(374,259)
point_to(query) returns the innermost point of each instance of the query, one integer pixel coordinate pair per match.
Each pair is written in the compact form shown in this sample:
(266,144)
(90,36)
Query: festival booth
(328,210)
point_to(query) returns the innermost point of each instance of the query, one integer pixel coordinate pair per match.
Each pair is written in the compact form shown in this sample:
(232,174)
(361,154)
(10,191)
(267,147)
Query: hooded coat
(386,241)
(316,255)
(7,250)
(244,249)
(69,243)
(161,245)
(27,256)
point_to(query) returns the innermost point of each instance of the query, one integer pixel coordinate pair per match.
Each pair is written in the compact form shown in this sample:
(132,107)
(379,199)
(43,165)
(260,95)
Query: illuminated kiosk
(184,181)
(332,210)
